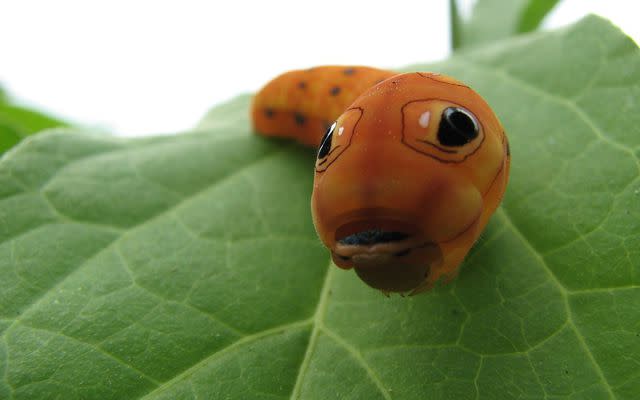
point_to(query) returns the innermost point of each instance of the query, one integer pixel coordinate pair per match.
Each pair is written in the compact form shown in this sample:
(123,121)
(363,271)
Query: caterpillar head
(406,179)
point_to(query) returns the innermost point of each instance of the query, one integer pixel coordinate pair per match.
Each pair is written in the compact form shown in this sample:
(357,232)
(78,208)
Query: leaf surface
(493,20)
(17,122)
(187,267)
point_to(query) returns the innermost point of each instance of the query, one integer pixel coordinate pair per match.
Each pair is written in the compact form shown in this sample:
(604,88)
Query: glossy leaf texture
(493,20)
(187,267)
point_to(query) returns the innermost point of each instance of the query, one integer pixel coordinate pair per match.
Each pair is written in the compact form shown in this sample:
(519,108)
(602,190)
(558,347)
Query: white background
(140,67)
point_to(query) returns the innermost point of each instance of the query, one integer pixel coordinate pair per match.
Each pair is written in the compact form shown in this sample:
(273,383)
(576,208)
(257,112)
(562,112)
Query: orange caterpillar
(408,172)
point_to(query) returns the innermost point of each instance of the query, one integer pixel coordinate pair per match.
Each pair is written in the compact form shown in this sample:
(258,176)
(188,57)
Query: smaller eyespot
(337,138)
(325,144)
(457,127)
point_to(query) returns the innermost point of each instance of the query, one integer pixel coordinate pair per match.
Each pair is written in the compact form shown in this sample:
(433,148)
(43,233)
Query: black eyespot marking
(300,119)
(457,127)
(349,71)
(335,91)
(302,85)
(325,144)
(269,112)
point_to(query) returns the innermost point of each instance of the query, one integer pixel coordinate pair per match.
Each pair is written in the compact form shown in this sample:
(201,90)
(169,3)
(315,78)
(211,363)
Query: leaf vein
(167,211)
(95,348)
(317,318)
(358,357)
(563,293)
(221,352)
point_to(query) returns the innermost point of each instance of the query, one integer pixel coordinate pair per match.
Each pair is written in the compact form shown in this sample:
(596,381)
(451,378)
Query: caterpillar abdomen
(301,104)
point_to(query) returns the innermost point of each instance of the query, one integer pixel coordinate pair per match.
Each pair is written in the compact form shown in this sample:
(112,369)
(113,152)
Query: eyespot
(441,129)
(337,138)
(457,127)
(325,144)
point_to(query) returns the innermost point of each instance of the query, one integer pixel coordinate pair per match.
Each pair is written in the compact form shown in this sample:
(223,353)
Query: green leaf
(10,135)
(456,24)
(30,121)
(493,20)
(18,122)
(187,267)
(532,15)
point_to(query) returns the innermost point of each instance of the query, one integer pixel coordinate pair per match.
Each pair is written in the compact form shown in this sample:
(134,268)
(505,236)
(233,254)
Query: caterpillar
(409,168)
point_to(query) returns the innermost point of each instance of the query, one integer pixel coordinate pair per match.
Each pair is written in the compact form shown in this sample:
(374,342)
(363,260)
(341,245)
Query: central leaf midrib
(317,319)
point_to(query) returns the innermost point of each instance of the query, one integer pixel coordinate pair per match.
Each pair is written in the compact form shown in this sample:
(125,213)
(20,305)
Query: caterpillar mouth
(372,241)
(387,255)
(373,236)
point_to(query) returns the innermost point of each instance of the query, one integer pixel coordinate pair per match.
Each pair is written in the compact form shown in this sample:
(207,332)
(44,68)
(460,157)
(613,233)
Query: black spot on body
(269,112)
(299,118)
(335,91)
(302,85)
(349,71)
